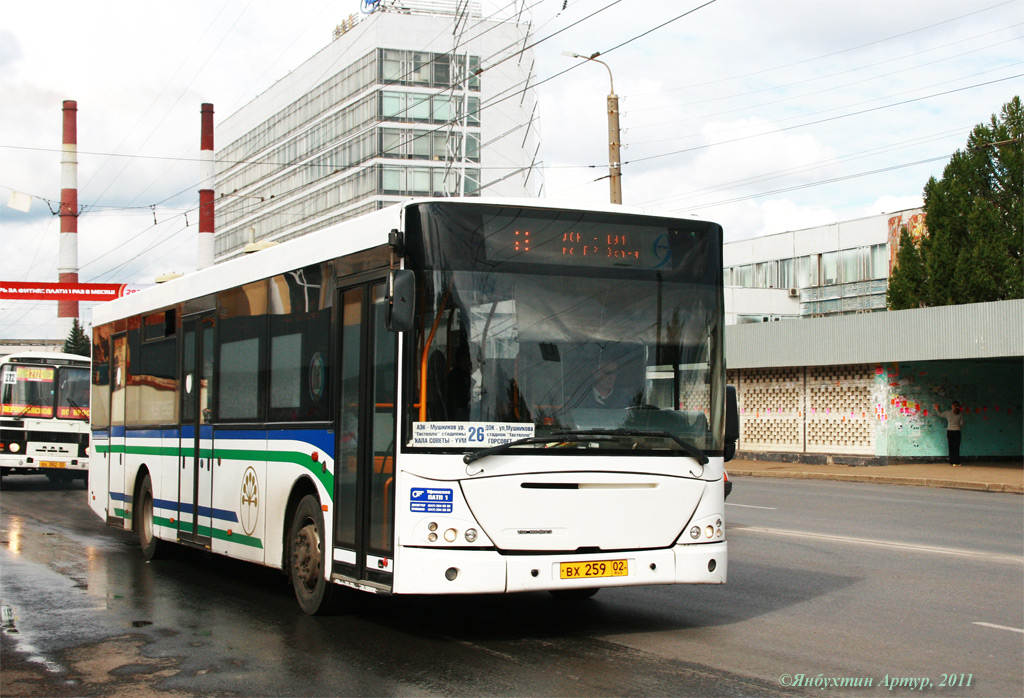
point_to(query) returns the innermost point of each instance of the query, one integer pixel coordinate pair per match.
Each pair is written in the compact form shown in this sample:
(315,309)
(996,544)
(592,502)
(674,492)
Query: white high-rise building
(419,98)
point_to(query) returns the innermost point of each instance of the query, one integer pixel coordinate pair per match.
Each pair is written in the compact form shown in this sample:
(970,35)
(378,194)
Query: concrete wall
(877,413)
(991,390)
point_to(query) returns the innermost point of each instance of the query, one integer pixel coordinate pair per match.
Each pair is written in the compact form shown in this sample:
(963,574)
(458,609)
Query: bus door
(195,471)
(119,501)
(364,496)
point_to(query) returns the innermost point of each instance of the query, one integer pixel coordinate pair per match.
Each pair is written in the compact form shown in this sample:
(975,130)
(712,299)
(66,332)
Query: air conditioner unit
(794,293)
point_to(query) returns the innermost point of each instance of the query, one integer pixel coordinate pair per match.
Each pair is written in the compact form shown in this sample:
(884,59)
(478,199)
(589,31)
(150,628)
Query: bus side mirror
(401,300)
(732,422)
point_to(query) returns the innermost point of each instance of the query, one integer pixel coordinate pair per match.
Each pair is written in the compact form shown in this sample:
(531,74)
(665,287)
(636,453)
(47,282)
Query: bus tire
(316,596)
(573,594)
(152,547)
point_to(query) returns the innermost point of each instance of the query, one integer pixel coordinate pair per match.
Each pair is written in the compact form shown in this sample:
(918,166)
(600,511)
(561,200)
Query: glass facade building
(396,106)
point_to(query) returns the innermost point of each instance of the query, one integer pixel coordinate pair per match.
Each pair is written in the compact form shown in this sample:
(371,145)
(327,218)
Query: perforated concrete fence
(840,414)
(818,409)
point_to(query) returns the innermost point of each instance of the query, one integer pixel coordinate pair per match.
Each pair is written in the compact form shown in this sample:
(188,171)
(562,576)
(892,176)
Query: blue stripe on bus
(186,508)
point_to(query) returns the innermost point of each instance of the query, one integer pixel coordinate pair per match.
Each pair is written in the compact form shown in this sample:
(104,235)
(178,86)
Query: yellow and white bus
(44,415)
(447,396)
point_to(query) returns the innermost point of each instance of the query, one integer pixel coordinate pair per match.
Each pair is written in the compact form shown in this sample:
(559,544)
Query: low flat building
(837,269)
(861,389)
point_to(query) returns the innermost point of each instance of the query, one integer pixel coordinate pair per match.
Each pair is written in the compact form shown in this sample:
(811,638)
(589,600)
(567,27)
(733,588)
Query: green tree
(907,288)
(77,342)
(975,220)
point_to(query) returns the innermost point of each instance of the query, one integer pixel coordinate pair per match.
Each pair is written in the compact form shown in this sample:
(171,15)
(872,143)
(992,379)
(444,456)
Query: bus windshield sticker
(430,500)
(468,434)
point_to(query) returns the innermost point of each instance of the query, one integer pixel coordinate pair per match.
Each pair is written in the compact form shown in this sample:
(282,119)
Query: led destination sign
(597,244)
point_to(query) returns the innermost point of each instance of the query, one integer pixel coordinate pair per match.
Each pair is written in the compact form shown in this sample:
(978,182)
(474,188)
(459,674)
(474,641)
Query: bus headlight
(470,535)
(450,535)
(15,447)
(695,532)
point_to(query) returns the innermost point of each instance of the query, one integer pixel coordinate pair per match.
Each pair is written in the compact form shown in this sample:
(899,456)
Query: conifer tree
(975,219)
(77,342)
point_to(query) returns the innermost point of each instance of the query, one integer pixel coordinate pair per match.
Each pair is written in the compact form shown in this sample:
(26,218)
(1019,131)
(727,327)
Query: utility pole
(614,163)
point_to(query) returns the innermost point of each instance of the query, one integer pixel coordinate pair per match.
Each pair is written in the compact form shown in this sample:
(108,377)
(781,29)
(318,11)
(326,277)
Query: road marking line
(995,557)
(748,506)
(999,627)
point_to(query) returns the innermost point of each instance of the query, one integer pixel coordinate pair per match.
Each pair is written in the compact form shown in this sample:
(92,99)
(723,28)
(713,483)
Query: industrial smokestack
(67,265)
(206,192)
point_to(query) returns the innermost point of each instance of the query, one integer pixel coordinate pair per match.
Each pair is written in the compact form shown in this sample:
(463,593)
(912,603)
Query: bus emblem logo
(316,377)
(249,510)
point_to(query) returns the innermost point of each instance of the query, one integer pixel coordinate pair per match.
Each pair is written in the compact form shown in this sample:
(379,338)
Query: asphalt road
(838,582)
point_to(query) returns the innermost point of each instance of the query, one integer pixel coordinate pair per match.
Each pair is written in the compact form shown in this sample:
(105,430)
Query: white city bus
(446,396)
(44,415)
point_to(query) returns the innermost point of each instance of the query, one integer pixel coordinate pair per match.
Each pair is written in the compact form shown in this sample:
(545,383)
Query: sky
(761,116)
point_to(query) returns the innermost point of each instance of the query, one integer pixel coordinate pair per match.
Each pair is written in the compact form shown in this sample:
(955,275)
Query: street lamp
(614,165)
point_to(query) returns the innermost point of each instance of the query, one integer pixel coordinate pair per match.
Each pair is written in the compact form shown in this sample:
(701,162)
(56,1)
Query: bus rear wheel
(152,547)
(316,596)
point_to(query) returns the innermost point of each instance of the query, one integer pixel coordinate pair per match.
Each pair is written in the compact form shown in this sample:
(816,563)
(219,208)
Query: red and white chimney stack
(67,265)
(206,192)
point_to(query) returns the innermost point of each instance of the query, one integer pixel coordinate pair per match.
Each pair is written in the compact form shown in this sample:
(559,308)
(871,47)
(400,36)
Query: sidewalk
(988,477)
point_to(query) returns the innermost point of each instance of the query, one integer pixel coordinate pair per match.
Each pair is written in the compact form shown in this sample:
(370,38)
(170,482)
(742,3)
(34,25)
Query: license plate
(52,464)
(594,568)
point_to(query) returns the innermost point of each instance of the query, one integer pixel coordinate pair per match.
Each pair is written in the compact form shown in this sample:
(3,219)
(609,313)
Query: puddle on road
(115,667)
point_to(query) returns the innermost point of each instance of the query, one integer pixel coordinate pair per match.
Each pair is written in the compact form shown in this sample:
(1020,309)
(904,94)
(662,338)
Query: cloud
(10,50)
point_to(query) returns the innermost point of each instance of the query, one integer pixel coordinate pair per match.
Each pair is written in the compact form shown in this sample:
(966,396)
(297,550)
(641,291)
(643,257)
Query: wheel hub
(307,555)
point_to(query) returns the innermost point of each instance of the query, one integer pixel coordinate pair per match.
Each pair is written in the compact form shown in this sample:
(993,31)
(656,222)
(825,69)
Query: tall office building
(419,98)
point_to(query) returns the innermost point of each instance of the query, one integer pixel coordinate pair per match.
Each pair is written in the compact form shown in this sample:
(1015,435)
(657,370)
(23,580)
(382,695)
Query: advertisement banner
(46,291)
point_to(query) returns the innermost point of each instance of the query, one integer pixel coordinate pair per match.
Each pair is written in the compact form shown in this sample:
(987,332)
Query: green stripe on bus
(210,532)
(301,459)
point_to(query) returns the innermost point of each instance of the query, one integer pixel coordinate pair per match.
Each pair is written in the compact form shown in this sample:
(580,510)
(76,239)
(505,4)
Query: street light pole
(614,164)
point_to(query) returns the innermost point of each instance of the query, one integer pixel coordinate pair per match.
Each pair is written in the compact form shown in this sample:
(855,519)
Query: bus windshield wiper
(25,411)
(560,437)
(587,435)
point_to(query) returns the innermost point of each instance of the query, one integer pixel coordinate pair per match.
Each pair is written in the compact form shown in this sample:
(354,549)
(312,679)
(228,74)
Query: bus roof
(360,233)
(44,357)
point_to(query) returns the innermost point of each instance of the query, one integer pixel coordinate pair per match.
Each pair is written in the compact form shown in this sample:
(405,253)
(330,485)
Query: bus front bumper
(440,571)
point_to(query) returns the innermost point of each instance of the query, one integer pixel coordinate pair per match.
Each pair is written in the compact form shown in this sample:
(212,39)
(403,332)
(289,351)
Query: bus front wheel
(316,596)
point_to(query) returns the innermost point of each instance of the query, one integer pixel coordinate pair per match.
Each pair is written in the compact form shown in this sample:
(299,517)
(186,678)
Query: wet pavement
(90,618)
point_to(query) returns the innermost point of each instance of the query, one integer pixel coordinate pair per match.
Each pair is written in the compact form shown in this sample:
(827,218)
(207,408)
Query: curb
(888,480)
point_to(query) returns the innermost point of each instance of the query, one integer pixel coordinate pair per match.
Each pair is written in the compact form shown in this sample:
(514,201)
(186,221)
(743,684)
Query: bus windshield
(35,391)
(73,393)
(27,391)
(543,323)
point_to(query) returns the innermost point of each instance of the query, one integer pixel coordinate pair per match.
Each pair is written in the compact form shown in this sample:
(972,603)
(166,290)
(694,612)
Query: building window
(807,271)
(787,277)
(851,266)
(426,69)
(879,261)
(829,268)
(766,275)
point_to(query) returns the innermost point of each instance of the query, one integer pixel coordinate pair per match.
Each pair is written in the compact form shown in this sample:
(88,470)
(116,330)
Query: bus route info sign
(468,434)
